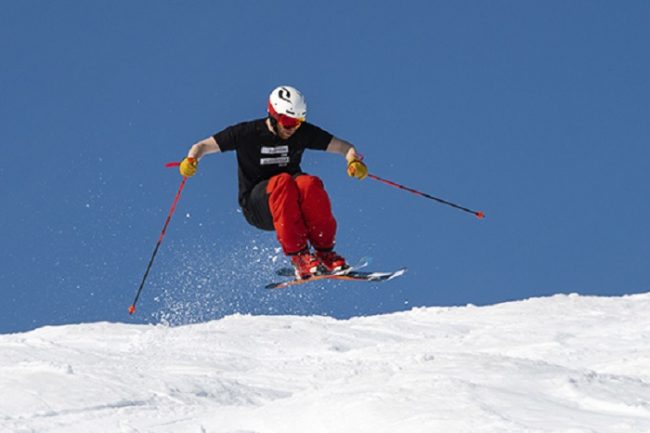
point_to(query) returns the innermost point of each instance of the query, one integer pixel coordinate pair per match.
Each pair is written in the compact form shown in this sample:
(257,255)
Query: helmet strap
(274,124)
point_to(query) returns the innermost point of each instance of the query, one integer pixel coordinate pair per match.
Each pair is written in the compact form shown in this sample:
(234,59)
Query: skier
(274,193)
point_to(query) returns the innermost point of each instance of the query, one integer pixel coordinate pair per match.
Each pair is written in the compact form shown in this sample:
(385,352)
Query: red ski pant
(302,212)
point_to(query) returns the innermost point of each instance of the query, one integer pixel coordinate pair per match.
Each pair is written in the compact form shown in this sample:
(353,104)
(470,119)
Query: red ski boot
(331,262)
(305,264)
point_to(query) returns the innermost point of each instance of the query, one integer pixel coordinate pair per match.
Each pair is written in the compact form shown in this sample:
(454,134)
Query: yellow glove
(188,166)
(356,168)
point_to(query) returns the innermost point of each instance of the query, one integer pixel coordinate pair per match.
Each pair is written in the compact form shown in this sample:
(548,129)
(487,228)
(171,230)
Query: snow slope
(561,364)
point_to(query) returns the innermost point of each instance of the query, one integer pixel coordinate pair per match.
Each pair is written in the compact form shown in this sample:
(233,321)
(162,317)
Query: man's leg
(321,224)
(284,205)
(256,208)
(317,212)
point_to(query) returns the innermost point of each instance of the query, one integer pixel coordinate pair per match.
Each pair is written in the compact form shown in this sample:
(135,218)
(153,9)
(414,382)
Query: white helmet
(288,101)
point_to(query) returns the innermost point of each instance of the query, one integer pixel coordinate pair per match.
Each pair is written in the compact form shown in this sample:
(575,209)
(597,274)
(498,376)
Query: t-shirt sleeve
(317,138)
(227,138)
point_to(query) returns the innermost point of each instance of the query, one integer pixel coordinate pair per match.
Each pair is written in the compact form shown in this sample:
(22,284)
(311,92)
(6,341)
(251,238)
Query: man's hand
(188,166)
(356,168)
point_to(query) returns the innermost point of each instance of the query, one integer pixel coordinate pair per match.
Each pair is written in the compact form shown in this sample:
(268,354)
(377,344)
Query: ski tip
(132,309)
(365,261)
(480,215)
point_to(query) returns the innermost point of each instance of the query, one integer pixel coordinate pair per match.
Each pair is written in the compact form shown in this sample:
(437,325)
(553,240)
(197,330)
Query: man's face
(284,132)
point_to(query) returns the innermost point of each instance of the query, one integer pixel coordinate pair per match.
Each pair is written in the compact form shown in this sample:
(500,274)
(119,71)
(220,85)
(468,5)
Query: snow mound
(567,364)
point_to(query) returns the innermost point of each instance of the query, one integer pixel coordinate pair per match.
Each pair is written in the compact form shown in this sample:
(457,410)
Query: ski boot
(305,264)
(331,262)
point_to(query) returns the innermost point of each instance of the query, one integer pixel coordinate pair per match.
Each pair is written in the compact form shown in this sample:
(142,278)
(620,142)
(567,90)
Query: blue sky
(534,112)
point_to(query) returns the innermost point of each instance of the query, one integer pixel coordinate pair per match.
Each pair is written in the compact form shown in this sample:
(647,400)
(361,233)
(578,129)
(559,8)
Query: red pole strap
(478,214)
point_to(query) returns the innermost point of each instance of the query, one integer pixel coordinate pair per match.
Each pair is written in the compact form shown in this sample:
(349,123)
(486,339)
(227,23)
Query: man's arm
(356,167)
(189,164)
(203,147)
(344,148)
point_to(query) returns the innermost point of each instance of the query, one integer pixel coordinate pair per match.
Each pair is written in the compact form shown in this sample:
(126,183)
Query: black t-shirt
(261,154)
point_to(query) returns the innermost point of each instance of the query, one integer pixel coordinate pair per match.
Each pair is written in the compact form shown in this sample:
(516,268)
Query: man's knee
(280,181)
(307,182)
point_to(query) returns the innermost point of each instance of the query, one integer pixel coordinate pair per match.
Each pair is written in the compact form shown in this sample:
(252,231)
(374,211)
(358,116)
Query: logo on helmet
(284,91)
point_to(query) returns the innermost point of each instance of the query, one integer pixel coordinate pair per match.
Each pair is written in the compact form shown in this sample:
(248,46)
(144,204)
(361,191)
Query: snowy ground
(560,364)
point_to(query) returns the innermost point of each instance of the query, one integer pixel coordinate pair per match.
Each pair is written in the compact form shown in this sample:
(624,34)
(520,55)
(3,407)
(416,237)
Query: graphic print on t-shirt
(281,160)
(274,150)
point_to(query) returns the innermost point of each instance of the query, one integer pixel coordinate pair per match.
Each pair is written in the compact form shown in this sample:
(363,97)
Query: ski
(290,272)
(347,275)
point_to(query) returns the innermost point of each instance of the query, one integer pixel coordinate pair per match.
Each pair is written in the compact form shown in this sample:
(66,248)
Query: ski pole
(423,194)
(162,235)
